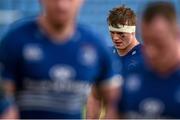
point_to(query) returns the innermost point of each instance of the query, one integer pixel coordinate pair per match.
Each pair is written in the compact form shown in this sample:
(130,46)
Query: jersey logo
(32,52)
(62,73)
(114,51)
(152,107)
(132,65)
(87,56)
(134,52)
(133,83)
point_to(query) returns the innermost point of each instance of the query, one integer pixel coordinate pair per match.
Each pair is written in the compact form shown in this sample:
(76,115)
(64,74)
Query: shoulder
(137,51)
(90,35)
(86,30)
(16,33)
(20,26)
(138,48)
(113,50)
(93,37)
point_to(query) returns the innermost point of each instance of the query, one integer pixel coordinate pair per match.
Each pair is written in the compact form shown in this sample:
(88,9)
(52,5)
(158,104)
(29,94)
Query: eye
(112,32)
(122,35)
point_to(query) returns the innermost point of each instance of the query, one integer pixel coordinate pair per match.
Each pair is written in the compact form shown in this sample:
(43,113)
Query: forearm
(8,90)
(111,112)
(111,98)
(93,108)
(10,113)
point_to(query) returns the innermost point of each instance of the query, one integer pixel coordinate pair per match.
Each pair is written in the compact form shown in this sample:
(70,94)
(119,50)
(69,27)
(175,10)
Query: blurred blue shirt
(132,61)
(52,79)
(147,94)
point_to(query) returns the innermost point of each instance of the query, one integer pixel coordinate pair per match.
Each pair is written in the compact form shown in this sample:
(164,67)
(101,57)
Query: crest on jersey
(152,107)
(32,52)
(133,83)
(62,73)
(134,52)
(87,55)
(132,65)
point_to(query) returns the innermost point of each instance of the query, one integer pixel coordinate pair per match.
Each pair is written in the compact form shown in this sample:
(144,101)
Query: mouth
(118,43)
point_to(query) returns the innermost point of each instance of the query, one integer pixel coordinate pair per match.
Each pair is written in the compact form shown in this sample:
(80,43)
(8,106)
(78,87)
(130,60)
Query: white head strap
(123,28)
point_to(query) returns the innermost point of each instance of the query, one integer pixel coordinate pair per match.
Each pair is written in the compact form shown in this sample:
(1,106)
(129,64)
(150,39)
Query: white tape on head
(123,28)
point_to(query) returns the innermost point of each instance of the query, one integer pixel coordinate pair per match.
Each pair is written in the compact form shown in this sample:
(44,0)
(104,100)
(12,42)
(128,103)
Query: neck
(60,32)
(123,52)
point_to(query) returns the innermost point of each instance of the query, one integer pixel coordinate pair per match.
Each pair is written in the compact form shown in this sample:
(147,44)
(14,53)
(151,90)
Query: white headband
(123,28)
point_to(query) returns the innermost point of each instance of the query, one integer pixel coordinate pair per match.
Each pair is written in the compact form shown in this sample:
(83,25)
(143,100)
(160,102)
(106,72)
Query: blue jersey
(146,94)
(53,79)
(132,61)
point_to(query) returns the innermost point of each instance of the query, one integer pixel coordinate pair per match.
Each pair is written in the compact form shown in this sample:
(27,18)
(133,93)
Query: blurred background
(93,13)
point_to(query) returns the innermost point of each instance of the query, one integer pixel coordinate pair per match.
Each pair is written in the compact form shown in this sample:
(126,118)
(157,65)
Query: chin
(58,20)
(121,47)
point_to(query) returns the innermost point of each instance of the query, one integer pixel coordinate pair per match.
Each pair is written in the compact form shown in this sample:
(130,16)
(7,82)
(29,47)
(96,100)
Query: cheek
(127,40)
(50,10)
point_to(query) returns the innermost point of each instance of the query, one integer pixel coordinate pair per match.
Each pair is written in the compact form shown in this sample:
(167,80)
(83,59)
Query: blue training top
(52,79)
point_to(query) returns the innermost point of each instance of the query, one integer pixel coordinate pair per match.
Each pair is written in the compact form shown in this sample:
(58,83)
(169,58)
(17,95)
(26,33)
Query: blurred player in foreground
(154,92)
(51,63)
(122,26)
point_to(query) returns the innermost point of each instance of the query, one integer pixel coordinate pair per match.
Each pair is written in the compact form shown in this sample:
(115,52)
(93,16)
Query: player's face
(61,11)
(158,39)
(121,40)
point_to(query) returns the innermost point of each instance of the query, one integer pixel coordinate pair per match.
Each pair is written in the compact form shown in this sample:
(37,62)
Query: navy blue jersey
(147,94)
(132,60)
(53,79)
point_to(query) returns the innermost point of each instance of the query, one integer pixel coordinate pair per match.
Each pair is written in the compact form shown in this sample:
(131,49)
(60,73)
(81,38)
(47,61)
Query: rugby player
(122,26)
(51,63)
(153,92)
(127,49)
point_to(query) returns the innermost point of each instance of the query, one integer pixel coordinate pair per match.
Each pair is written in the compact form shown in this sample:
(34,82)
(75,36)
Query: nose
(115,36)
(62,4)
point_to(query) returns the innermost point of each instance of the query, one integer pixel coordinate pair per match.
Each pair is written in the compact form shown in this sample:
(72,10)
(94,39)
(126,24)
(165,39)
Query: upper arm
(8,109)
(109,81)
(9,59)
